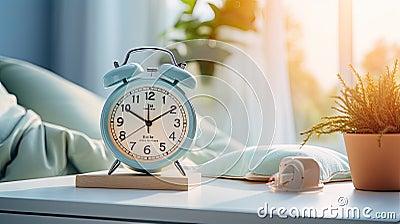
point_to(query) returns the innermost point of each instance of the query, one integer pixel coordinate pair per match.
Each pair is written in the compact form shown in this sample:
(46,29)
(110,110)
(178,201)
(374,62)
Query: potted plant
(369,118)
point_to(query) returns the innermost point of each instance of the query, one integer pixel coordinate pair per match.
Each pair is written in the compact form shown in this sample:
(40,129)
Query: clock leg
(114,166)
(180,168)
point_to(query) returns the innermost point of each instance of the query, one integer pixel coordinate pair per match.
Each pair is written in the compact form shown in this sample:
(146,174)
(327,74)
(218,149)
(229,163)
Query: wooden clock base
(126,179)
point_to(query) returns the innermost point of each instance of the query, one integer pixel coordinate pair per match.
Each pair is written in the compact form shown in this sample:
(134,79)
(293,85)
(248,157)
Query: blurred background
(300,45)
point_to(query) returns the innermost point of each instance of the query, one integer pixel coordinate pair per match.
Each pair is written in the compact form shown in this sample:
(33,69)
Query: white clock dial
(148,123)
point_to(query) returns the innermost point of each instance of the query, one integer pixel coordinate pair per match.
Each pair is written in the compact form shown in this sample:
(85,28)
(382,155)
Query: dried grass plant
(371,106)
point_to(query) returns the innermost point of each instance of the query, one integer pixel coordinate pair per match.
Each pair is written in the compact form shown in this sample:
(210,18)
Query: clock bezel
(147,166)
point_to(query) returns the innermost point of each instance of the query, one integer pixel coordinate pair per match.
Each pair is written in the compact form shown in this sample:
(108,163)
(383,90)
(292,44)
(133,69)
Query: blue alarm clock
(148,123)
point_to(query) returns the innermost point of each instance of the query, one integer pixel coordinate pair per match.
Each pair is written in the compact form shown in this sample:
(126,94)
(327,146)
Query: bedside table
(56,200)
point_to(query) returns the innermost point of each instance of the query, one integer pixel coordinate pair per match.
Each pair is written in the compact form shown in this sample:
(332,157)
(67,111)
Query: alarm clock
(147,122)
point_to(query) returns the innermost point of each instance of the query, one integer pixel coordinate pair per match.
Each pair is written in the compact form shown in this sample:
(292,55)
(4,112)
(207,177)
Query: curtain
(274,48)
(24,29)
(268,49)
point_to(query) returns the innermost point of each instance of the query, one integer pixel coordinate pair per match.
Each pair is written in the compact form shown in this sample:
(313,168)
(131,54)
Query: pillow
(53,98)
(30,148)
(260,163)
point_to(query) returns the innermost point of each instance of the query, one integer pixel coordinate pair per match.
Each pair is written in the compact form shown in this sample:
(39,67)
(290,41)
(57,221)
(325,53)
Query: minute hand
(159,116)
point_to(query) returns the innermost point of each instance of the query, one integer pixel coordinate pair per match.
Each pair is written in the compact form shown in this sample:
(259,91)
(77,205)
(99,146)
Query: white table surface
(219,201)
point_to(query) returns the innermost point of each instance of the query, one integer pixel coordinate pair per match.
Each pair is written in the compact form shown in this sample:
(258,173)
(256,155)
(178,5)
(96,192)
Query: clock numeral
(173,109)
(162,146)
(163,99)
(177,123)
(122,135)
(132,145)
(150,95)
(147,149)
(126,107)
(135,99)
(120,121)
(172,136)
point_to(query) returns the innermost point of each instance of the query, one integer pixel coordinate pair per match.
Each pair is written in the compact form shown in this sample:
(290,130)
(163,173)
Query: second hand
(135,131)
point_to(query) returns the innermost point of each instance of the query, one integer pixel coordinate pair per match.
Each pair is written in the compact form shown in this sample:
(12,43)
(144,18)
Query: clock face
(148,123)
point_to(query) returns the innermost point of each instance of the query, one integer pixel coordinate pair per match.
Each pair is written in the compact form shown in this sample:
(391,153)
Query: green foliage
(238,14)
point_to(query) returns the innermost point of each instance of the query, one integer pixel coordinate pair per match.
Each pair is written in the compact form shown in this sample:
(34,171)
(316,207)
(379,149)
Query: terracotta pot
(374,167)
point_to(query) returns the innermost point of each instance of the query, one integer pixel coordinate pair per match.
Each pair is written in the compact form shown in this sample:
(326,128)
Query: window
(323,38)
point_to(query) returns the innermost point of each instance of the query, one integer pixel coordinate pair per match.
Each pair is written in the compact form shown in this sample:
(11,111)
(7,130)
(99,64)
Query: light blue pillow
(260,163)
(53,98)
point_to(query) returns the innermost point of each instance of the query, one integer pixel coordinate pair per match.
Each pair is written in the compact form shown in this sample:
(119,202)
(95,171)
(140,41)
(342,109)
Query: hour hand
(148,122)
(136,115)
